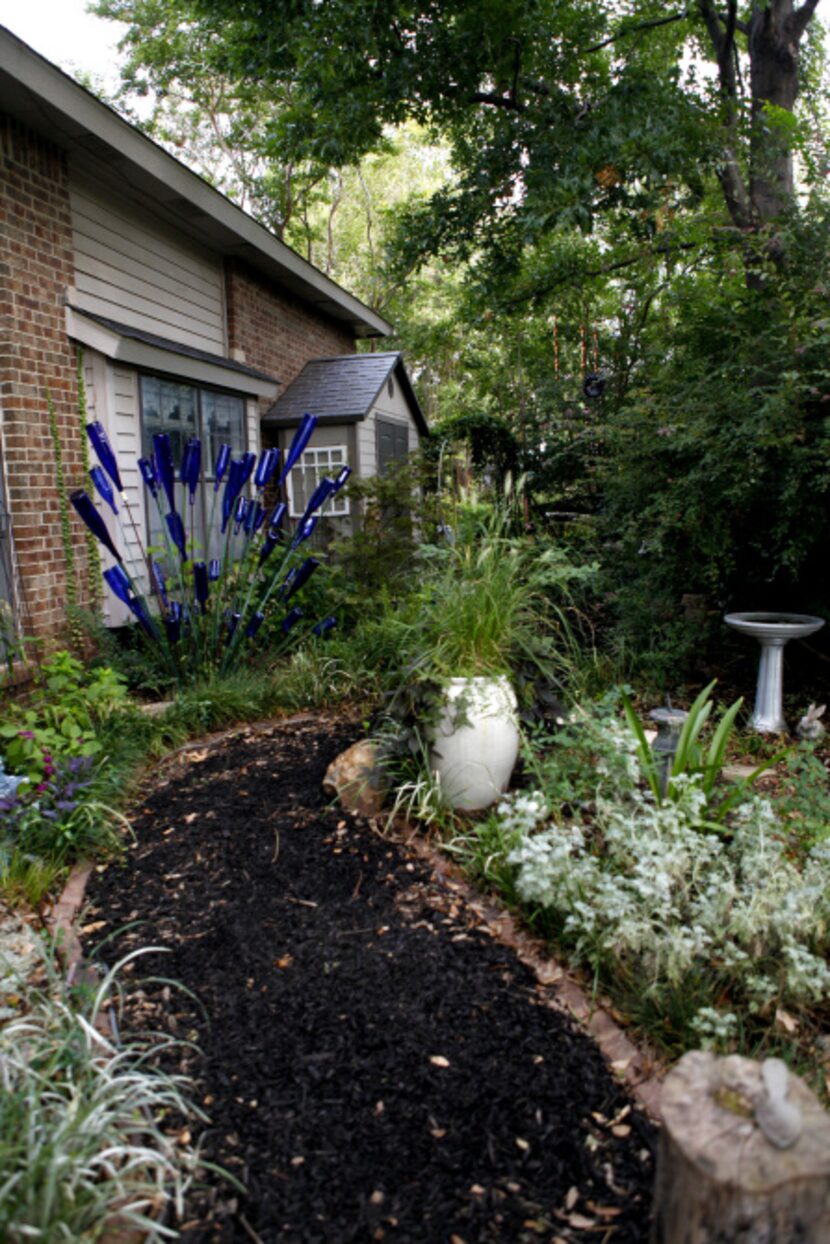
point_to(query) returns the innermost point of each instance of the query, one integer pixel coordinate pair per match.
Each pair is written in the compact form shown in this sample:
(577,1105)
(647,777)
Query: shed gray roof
(343,389)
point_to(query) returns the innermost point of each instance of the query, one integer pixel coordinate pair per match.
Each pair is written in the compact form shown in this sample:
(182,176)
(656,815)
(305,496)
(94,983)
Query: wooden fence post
(744,1156)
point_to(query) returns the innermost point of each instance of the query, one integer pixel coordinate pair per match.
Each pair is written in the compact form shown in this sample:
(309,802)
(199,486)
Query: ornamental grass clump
(85,1138)
(200,609)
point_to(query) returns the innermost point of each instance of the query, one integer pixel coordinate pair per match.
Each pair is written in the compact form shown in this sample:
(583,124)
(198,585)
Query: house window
(184,410)
(306,475)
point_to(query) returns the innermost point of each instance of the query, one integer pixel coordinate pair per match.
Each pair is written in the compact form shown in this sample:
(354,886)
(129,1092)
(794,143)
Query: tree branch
(496,101)
(633,30)
(606,270)
(801,17)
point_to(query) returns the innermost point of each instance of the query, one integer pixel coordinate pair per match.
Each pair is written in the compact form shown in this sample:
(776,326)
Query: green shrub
(62,717)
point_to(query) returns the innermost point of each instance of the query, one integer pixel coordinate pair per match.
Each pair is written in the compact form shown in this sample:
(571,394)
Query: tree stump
(720,1180)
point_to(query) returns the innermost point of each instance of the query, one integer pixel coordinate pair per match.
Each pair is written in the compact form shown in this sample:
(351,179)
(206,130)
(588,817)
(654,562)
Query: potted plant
(490,621)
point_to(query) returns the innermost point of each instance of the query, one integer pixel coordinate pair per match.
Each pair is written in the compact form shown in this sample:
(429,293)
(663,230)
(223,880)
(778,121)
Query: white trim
(162,361)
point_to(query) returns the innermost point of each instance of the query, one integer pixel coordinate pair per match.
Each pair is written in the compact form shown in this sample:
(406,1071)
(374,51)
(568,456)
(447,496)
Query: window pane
(223,421)
(312,467)
(167,407)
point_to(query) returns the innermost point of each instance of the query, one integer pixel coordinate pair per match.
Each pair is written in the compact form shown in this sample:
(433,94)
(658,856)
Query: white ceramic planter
(476,742)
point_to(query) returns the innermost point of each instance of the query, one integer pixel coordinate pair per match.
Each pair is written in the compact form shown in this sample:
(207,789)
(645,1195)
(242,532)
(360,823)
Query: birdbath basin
(772,630)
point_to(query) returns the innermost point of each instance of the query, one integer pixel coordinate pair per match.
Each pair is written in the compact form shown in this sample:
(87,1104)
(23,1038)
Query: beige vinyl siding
(395,408)
(135,271)
(112,398)
(367,454)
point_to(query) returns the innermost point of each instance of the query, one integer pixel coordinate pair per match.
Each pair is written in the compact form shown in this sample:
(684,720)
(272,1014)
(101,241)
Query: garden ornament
(810,726)
(669,722)
(773,631)
(593,386)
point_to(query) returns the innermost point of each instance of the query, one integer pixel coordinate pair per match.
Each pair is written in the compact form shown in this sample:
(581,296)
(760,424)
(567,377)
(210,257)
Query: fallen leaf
(571,1198)
(522,1144)
(621,1130)
(580,1221)
(297,1161)
(438,1060)
(377,1197)
(438,1132)
(604,1211)
(94,927)
(284,962)
(477,1190)
(786,1022)
(190,817)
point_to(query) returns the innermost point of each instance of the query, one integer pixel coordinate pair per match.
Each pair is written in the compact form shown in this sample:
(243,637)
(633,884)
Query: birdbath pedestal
(772,630)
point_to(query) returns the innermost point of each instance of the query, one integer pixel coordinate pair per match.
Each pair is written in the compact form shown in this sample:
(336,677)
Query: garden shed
(369,418)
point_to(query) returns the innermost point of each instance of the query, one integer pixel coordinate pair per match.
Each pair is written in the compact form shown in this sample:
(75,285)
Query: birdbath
(772,630)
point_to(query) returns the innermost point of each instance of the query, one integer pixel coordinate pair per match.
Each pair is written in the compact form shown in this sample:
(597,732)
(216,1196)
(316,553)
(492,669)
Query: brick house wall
(36,357)
(274,332)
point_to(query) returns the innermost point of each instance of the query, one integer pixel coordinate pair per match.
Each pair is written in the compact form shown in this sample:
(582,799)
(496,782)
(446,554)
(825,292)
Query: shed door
(392,443)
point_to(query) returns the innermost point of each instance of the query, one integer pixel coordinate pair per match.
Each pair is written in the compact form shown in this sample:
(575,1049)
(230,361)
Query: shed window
(183,410)
(306,475)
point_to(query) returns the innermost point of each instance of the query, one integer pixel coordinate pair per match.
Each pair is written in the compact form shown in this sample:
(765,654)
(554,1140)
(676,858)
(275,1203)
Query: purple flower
(301,438)
(85,507)
(25,734)
(99,478)
(103,449)
(165,471)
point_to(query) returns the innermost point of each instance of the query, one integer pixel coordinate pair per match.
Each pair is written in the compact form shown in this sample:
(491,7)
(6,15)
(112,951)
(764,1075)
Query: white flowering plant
(698,927)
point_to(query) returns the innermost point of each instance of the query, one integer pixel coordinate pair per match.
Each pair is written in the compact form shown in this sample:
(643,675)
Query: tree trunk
(773,67)
(719,1179)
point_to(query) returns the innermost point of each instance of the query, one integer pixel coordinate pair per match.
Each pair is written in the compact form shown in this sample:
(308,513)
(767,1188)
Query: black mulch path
(374,1065)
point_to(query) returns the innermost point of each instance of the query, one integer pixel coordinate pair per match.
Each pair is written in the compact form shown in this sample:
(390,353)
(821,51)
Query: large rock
(356,779)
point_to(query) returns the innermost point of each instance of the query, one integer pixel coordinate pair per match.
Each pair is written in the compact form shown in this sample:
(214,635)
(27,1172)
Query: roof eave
(43,97)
